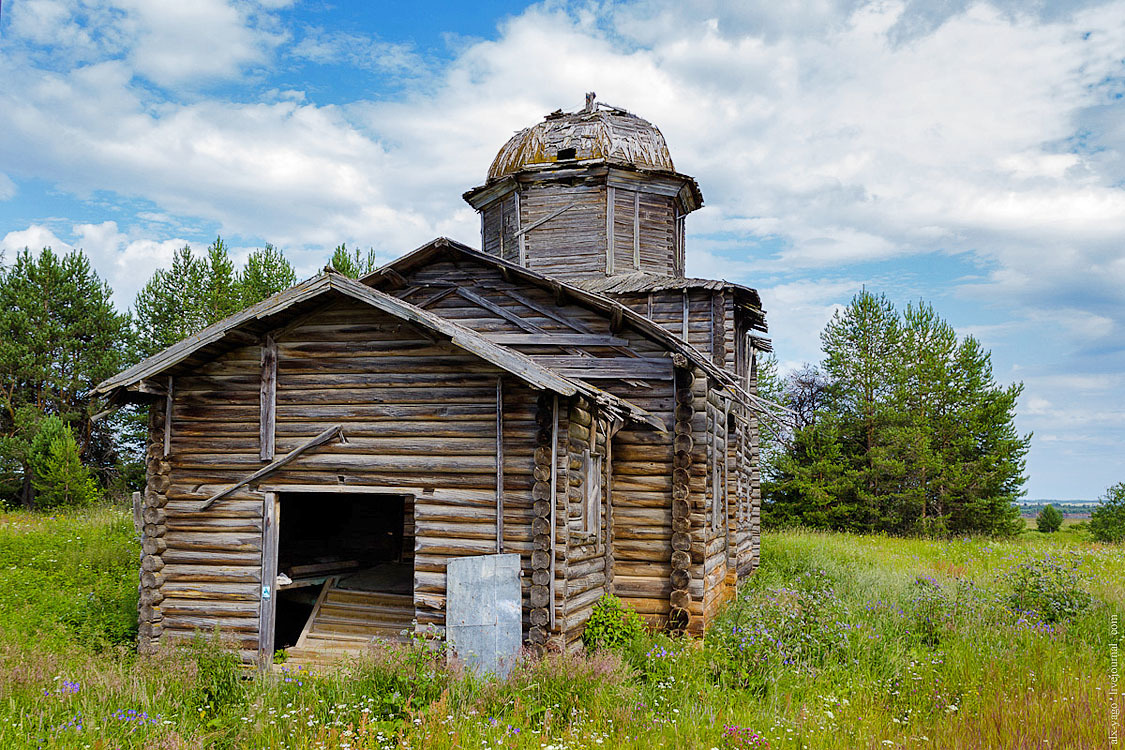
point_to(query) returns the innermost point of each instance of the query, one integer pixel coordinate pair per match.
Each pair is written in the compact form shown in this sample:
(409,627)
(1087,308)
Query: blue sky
(969,154)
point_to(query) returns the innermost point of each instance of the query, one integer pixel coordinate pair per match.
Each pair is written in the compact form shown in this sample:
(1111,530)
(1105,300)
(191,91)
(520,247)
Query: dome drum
(587,194)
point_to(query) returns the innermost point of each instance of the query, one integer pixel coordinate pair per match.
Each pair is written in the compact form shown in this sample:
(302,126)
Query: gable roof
(215,336)
(392,273)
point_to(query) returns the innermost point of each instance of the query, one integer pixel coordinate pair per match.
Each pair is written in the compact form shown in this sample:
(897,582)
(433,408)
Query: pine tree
(198,291)
(220,293)
(169,306)
(59,336)
(266,273)
(353,263)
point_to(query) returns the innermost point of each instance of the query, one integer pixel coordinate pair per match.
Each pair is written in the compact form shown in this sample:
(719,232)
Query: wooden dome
(595,133)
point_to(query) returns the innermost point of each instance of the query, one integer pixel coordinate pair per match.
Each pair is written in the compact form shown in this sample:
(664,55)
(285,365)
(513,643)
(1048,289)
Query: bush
(1107,523)
(58,475)
(1049,588)
(1049,520)
(612,625)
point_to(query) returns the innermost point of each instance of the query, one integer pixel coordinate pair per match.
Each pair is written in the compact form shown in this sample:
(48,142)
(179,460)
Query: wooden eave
(510,360)
(436,248)
(618,174)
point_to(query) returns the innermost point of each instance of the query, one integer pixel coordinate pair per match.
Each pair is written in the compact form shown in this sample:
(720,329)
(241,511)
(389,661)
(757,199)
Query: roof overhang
(230,332)
(620,175)
(392,273)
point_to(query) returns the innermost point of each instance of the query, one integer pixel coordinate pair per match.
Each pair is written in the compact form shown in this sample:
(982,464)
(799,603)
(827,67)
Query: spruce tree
(924,437)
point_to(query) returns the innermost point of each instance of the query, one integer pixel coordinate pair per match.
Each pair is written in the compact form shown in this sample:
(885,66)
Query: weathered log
(152,579)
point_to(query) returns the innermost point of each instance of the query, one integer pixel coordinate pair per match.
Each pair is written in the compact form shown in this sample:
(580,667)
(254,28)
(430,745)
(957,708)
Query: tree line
(901,428)
(60,335)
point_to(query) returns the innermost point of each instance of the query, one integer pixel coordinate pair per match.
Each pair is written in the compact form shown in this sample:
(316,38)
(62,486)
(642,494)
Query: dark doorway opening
(351,541)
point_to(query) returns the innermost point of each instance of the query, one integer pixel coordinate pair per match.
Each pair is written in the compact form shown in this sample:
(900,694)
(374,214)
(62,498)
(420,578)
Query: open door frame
(267,614)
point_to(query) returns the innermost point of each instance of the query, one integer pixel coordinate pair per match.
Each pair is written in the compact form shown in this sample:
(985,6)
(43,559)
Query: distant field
(839,642)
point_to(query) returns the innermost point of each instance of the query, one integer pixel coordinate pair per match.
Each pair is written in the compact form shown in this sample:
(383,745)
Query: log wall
(418,417)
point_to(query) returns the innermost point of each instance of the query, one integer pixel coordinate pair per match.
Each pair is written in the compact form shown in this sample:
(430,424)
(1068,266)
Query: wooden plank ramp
(345,622)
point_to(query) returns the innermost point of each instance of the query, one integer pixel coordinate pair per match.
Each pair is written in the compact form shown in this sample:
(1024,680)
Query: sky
(968,154)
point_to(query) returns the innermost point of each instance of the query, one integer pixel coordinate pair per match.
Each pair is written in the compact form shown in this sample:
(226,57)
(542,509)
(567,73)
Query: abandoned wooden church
(564,393)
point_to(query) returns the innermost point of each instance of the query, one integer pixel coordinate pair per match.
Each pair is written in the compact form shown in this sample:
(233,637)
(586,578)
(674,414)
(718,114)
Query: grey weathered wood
(499,465)
(436,297)
(554,502)
(267,615)
(636,230)
(645,368)
(267,400)
(684,324)
(265,471)
(498,311)
(540,222)
(609,230)
(168,401)
(138,521)
(554,339)
(148,388)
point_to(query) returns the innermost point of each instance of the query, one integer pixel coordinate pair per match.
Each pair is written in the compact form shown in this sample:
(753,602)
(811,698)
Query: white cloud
(8,188)
(359,51)
(35,237)
(125,262)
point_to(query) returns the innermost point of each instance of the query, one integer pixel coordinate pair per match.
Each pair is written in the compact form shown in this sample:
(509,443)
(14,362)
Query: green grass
(840,641)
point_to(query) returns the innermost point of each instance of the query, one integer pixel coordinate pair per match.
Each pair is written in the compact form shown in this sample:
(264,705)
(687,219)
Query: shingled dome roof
(596,132)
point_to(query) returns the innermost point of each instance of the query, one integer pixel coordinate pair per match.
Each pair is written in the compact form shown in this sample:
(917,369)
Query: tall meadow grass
(838,641)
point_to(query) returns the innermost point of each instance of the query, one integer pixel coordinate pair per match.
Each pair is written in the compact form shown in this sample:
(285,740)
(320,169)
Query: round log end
(680,579)
(539,596)
(678,619)
(681,560)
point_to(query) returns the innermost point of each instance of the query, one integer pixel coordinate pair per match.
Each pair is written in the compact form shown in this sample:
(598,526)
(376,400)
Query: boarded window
(718,468)
(592,492)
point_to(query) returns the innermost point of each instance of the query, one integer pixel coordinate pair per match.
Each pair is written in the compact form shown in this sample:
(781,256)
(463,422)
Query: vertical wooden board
(636,230)
(267,400)
(509,225)
(609,231)
(169,400)
(554,502)
(499,464)
(271,514)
